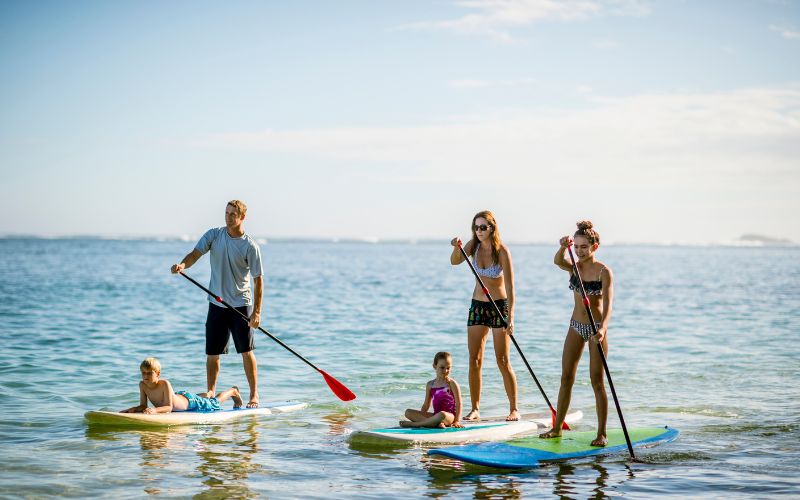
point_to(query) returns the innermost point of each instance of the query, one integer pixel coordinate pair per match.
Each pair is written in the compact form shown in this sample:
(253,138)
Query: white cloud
(785,32)
(690,166)
(749,130)
(493,17)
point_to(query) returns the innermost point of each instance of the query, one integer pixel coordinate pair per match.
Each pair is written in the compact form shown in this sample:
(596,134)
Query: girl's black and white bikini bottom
(583,329)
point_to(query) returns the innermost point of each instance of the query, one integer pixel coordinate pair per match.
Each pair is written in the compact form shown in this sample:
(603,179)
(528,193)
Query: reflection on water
(586,479)
(572,479)
(227,463)
(226,454)
(567,484)
(448,476)
(338,421)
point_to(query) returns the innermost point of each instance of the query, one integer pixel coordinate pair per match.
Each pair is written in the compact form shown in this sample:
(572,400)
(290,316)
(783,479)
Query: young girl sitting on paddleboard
(445,396)
(598,281)
(159,392)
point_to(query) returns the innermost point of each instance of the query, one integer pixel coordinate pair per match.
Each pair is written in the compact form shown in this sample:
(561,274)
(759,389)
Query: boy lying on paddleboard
(159,392)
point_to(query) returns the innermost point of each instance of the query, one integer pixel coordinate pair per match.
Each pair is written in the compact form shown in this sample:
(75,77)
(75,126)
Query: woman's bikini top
(591,287)
(493,271)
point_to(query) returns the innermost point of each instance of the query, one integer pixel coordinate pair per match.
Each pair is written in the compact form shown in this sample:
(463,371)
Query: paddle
(600,348)
(337,387)
(505,325)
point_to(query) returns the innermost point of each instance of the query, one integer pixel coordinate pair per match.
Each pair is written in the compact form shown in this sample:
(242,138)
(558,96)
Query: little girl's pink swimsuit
(443,400)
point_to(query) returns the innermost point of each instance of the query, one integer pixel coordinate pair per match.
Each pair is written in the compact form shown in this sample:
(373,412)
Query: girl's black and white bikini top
(591,287)
(493,271)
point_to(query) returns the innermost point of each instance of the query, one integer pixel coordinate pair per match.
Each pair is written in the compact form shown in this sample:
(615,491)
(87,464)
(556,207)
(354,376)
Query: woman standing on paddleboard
(492,262)
(598,281)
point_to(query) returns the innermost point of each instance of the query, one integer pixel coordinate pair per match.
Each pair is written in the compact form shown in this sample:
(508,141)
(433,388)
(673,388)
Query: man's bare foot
(552,433)
(600,441)
(513,416)
(237,398)
(473,415)
(253,401)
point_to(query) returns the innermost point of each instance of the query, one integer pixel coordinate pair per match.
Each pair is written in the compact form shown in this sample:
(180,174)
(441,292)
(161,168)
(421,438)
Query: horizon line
(745,241)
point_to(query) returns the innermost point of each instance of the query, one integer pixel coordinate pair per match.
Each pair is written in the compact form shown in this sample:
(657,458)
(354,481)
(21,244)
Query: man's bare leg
(251,371)
(212,372)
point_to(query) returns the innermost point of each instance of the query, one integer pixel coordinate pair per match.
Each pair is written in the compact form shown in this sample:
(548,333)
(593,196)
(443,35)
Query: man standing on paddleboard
(235,257)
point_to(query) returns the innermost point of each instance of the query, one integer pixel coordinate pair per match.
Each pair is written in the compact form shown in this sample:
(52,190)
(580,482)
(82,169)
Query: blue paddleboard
(530,451)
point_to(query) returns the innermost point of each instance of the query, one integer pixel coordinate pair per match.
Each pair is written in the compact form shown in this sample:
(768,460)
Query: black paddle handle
(219,299)
(600,349)
(505,323)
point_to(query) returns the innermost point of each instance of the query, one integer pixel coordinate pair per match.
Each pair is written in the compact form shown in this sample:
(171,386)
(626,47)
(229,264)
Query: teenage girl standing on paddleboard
(598,281)
(493,263)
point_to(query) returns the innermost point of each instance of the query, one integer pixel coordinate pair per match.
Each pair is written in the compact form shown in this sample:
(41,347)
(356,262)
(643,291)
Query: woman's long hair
(494,237)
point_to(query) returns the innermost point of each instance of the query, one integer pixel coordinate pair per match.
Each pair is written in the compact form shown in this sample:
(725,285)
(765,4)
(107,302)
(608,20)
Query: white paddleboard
(189,417)
(486,429)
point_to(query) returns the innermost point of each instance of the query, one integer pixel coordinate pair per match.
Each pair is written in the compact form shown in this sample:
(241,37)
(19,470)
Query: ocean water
(702,339)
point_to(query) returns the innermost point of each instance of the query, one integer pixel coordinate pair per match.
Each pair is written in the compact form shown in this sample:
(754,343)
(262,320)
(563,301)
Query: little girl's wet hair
(585,229)
(442,355)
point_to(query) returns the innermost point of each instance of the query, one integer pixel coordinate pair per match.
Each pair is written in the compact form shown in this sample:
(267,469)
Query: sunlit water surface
(702,339)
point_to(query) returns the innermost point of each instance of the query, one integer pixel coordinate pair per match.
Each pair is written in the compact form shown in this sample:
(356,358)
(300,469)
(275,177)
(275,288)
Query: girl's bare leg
(502,351)
(439,419)
(416,415)
(573,348)
(598,385)
(476,343)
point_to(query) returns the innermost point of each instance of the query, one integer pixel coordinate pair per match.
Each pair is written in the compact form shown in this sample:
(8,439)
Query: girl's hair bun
(585,229)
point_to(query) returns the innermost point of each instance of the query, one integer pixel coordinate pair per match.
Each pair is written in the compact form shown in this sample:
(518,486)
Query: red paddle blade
(338,388)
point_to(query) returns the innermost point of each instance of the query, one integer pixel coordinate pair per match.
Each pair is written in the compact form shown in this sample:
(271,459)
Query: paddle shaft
(600,349)
(505,324)
(219,299)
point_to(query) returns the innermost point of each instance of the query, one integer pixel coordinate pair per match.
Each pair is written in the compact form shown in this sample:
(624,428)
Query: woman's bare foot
(473,415)
(600,441)
(408,423)
(552,433)
(513,416)
(237,398)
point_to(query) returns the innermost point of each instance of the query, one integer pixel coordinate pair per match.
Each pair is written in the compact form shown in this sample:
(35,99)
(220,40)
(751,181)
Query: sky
(660,121)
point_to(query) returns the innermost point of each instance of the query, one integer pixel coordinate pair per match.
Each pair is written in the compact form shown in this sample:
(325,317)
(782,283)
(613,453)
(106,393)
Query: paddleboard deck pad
(100,417)
(529,451)
(486,429)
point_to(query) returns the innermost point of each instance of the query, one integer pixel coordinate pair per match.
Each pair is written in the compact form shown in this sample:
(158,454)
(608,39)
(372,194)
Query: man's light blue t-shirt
(233,261)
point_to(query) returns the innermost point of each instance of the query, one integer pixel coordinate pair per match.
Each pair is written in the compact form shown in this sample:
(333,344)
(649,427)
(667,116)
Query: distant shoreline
(742,243)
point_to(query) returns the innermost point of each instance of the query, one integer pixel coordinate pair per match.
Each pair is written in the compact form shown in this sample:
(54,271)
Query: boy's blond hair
(151,364)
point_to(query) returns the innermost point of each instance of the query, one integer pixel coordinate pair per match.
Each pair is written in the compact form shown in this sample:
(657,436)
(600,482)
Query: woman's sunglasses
(482,227)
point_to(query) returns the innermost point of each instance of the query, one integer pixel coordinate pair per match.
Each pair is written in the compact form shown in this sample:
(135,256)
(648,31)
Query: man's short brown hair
(239,206)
